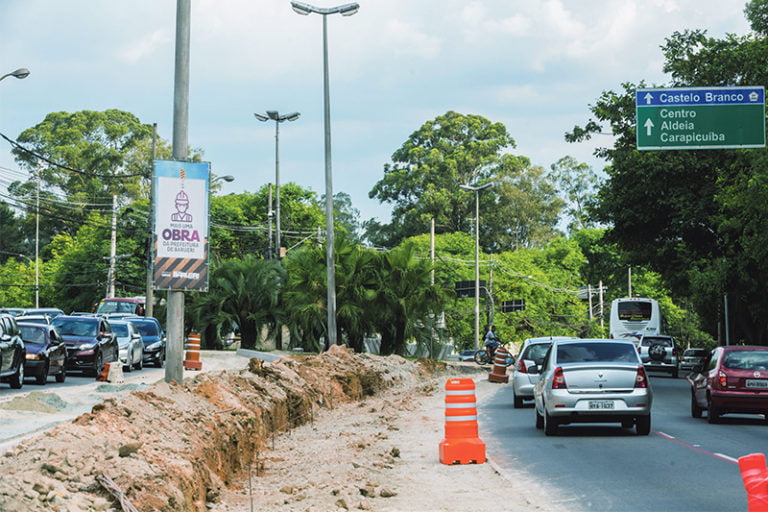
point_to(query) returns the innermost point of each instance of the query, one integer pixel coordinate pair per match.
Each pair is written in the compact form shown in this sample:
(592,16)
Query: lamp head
(273,115)
(349,9)
(20,73)
(302,8)
(260,117)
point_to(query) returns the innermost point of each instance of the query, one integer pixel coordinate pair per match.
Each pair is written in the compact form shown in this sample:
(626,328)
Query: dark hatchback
(90,342)
(734,380)
(153,337)
(46,352)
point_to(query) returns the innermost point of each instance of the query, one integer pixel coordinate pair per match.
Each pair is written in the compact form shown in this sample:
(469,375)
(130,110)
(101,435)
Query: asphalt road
(685,464)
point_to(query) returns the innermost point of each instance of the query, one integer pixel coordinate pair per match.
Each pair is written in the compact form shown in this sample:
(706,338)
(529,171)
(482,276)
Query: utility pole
(174,370)
(149,303)
(112,252)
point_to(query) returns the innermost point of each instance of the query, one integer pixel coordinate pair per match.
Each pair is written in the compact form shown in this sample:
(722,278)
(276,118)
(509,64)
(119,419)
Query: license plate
(752,383)
(601,404)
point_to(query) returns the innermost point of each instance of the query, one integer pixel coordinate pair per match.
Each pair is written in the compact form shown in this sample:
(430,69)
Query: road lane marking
(696,448)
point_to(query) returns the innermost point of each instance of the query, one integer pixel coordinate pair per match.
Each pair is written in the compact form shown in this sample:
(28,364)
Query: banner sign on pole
(181,225)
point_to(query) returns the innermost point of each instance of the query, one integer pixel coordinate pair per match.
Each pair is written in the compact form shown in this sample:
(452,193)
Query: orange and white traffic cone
(192,358)
(499,370)
(755,476)
(461,444)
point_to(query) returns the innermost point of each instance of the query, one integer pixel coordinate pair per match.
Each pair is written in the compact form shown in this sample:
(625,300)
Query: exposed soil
(336,431)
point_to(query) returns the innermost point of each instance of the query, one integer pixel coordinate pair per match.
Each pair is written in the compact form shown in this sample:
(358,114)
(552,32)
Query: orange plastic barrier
(104,373)
(499,370)
(461,444)
(192,357)
(755,476)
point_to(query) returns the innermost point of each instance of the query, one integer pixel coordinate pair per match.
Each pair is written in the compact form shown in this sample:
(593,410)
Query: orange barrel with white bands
(192,357)
(461,444)
(499,370)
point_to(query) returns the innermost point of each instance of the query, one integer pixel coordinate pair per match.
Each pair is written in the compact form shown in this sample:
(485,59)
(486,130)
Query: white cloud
(138,49)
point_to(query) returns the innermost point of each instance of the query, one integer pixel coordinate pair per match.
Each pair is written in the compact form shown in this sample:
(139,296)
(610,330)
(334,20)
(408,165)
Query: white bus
(634,317)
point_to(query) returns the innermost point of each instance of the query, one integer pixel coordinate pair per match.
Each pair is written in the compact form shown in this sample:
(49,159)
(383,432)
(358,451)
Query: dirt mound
(175,448)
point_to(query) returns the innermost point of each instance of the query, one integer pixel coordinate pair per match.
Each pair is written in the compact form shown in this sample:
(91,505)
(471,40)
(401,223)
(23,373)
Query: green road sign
(700,118)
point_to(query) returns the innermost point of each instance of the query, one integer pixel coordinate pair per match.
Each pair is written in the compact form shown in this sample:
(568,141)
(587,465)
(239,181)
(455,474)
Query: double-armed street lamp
(19,73)
(477,190)
(344,10)
(275,116)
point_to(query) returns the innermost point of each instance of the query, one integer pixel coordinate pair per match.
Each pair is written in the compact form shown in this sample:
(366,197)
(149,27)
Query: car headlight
(155,346)
(34,357)
(85,346)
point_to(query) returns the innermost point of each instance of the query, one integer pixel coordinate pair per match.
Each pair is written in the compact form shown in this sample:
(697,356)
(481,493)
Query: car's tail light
(722,379)
(674,351)
(558,381)
(520,366)
(641,379)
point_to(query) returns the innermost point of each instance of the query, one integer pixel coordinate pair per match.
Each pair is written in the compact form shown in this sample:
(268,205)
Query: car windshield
(693,352)
(76,328)
(120,329)
(32,334)
(147,328)
(114,306)
(595,351)
(746,360)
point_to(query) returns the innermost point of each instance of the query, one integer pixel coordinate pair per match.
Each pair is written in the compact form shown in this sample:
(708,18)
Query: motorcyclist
(491,341)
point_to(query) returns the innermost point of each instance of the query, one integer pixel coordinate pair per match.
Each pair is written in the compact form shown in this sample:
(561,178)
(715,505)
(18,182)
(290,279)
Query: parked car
(153,336)
(34,319)
(526,373)
(692,357)
(90,342)
(593,381)
(12,352)
(12,311)
(46,353)
(735,380)
(467,355)
(659,353)
(130,344)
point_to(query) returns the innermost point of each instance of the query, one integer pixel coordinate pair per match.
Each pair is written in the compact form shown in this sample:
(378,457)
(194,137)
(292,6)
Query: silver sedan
(593,381)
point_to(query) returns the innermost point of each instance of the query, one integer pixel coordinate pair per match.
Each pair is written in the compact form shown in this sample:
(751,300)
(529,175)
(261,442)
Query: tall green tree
(577,183)
(696,233)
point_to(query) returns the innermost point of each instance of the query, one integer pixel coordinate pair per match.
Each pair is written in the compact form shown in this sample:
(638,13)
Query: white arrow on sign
(648,125)
(648,98)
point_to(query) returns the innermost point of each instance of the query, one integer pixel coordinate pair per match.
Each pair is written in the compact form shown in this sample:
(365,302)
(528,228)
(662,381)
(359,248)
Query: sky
(534,65)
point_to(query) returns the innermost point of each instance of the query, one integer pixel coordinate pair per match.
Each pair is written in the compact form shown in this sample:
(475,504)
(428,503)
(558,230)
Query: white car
(593,381)
(130,344)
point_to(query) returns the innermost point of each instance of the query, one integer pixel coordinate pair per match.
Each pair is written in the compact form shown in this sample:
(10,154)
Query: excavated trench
(173,448)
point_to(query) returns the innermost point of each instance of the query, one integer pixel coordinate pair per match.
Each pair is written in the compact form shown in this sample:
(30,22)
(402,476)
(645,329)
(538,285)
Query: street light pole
(277,118)
(477,256)
(344,10)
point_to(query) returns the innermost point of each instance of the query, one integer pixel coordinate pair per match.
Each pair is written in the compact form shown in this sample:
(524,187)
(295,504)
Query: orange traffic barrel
(754,474)
(461,444)
(192,358)
(499,370)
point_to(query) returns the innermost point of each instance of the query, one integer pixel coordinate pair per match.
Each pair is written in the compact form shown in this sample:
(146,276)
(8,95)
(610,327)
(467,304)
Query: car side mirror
(531,367)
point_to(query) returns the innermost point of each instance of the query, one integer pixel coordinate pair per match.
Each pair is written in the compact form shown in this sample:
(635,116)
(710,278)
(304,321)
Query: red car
(734,379)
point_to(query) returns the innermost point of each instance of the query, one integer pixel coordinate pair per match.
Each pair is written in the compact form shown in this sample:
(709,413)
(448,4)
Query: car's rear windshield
(120,329)
(696,352)
(595,351)
(535,352)
(746,360)
(664,342)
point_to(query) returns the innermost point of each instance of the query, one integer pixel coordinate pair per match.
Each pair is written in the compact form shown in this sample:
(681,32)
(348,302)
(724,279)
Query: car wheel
(643,425)
(539,420)
(160,363)
(657,352)
(128,368)
(98,364)
(518,402)
(695,407)
(550,424)
(42,378)
(140,364)
(713,415)
(61,376)
(17,379)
